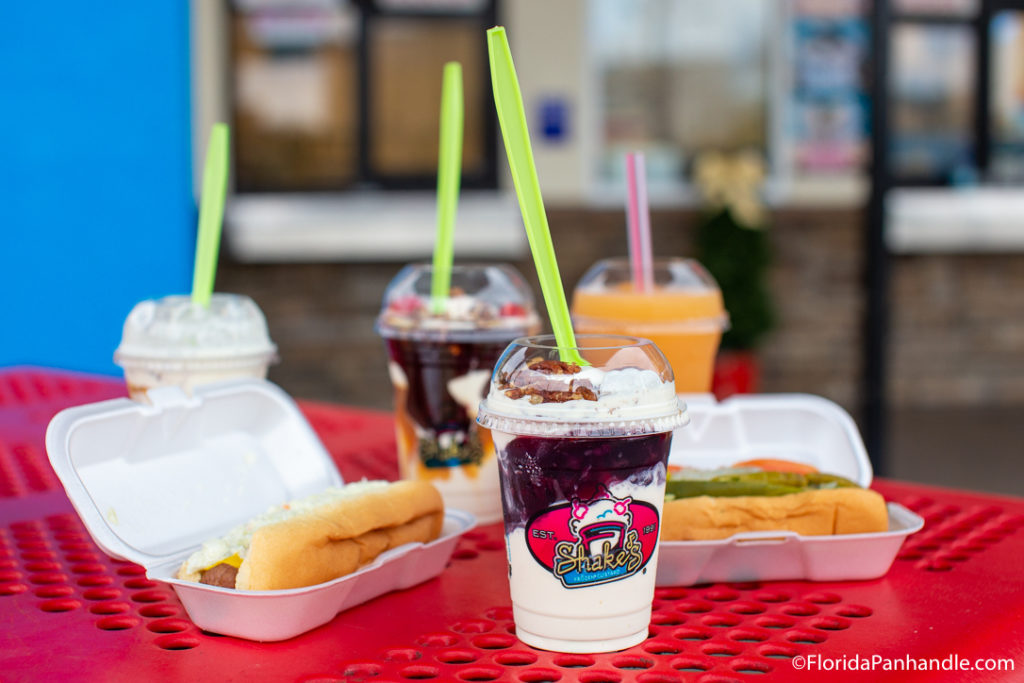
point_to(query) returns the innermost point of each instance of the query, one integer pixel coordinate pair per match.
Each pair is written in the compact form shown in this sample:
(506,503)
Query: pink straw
(638,217)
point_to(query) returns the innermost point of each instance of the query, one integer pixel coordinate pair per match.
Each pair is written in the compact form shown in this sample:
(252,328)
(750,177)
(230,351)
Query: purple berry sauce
(538,472)
(428,367)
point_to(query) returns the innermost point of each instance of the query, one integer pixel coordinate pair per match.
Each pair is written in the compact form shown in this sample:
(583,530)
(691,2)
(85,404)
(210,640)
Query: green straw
(509,102)
(211,212)
(449,167)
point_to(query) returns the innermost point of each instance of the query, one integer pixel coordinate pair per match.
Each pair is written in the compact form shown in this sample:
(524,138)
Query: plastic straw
(633,224)
(639,222)
(211,214)
(449,168)
(509,102)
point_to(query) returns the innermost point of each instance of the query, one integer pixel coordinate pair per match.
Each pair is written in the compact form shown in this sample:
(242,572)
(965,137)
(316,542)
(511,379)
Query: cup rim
(170,361)
(464,265)
(534,341)
(655,262)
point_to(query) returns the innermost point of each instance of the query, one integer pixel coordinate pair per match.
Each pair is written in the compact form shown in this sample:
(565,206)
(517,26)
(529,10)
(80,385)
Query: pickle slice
(681,488)
(753,484)
(819,480)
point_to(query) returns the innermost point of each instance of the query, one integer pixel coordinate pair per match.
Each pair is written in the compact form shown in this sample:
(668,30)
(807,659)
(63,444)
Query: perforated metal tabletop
(70,613)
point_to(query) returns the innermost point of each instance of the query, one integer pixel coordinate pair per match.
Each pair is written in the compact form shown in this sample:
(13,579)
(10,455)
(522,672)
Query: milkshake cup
(682,313)
(174,341)
(440,358)
(582,451)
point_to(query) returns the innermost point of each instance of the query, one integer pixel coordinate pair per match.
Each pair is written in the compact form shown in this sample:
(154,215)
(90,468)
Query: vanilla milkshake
(175,342)
(582,451)
(440,357)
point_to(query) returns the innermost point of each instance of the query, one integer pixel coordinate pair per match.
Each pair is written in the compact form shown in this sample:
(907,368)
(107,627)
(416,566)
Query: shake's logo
(598,540)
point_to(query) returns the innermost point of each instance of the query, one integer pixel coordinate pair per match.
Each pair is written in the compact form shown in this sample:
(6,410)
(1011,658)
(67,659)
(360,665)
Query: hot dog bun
(809,513)
(334,538)
(767,495)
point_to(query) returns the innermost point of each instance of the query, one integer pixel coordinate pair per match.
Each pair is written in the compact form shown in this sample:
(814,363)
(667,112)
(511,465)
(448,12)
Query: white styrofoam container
(152,482)
(796,427)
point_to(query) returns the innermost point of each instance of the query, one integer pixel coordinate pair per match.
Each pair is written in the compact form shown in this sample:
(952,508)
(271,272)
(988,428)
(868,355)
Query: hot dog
(320,537)
(719,504)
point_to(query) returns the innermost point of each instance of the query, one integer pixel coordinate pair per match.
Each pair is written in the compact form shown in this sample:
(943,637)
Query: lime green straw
(449,168)
(509,102)
(211,213)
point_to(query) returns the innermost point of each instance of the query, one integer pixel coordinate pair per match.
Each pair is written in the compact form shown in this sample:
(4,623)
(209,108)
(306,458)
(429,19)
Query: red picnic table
(950,609)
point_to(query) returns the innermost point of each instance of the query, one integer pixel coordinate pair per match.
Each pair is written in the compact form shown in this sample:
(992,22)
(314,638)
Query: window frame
(365,177)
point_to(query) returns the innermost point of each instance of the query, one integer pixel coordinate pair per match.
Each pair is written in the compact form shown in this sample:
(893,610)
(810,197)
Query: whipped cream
(485,302)
(236,540)
(461,313)
(624,393)
(467,389)
(176,328)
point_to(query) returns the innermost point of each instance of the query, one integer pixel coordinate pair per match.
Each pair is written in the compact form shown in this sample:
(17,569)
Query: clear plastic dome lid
(625,387)
(684,293)
(673,273)
(176,328)
(486,302)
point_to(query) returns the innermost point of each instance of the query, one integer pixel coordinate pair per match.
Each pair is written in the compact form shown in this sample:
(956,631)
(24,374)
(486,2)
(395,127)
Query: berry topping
(546,381)
(406,304)
(511,310)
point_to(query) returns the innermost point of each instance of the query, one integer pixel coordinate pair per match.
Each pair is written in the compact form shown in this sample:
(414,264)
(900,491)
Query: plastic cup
(174,341)
(683,313)
(440,363)
(582,454)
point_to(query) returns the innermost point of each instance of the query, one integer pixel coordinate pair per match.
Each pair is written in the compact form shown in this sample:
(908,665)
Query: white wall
(548,41)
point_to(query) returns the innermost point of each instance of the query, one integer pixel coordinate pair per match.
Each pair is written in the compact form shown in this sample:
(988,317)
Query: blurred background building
(334,111)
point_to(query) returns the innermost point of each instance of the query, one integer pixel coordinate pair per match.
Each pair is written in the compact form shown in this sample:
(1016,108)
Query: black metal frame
(488,179)
(369,12)
(877,257)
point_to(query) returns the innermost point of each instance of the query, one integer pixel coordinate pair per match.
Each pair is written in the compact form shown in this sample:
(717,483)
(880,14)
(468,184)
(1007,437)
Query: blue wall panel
(96,207)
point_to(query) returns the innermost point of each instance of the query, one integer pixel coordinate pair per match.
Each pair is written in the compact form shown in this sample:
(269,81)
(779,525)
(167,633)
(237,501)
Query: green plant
(732,244)
(738,258)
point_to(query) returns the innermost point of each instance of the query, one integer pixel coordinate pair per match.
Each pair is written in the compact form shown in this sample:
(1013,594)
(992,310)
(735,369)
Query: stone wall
(816,280)
(957,330)
(957,321)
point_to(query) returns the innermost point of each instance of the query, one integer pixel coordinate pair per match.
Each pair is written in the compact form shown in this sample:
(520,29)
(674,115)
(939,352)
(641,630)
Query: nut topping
(552,367)
(547,381)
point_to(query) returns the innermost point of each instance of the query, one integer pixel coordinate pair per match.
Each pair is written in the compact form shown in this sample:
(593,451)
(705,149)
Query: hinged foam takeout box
(152,482)
(796,427)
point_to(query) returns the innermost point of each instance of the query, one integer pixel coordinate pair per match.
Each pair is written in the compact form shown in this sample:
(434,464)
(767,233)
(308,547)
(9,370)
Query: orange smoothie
(684,320)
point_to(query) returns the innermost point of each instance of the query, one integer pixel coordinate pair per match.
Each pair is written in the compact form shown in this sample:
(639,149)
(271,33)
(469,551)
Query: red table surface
(68,612)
